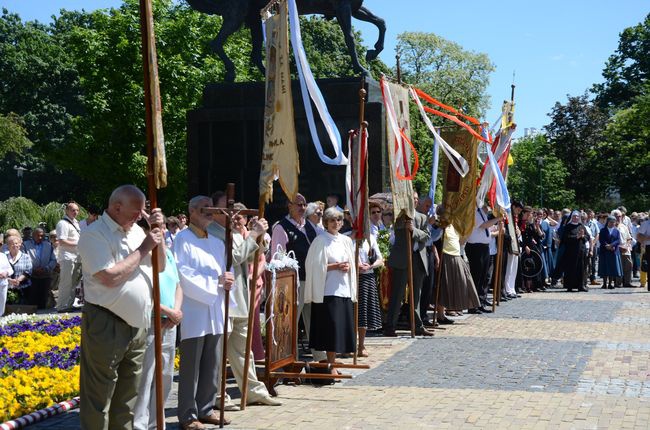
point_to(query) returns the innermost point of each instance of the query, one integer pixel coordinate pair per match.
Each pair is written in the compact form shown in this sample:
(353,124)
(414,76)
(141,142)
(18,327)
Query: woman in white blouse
(331,287)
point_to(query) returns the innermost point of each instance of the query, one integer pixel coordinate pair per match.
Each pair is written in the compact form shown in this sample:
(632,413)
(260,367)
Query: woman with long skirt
(609,259)
(331,288)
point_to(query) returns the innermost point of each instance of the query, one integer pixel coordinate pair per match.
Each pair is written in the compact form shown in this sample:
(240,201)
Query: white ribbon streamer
(394,126)
(309,89)
(456,160)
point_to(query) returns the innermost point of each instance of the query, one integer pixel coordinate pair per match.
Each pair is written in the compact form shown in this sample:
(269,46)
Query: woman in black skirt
(331,287)
(370,258)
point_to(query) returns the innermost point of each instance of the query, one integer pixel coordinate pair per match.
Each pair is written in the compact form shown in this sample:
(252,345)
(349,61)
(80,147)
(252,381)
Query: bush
(19,212)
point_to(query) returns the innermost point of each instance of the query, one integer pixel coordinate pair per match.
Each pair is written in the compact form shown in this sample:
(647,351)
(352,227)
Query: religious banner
(280,153)
(356,181)
(459,193)
(159,163)
(401,153)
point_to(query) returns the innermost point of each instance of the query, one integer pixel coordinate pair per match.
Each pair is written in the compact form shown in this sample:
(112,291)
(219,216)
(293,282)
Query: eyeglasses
(375,212)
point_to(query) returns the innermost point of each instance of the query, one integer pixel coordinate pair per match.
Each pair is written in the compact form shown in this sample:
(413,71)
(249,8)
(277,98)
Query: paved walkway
(548,360)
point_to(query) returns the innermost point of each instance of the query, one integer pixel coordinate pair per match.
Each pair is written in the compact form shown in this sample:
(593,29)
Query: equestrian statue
(236,13)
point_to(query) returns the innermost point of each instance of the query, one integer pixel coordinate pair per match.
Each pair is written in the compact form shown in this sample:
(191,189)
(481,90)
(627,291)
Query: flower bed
(39,362)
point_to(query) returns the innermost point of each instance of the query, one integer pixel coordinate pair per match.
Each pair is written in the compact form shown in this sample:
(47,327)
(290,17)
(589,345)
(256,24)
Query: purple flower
(50,327)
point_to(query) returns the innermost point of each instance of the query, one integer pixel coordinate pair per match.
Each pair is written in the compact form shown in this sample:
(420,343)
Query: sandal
(363,352)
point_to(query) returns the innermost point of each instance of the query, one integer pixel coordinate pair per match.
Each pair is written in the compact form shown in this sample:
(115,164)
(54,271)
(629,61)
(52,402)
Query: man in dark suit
(43,263)
(398,262)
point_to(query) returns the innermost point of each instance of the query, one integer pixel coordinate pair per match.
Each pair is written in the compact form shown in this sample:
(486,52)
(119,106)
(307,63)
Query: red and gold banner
(459,193)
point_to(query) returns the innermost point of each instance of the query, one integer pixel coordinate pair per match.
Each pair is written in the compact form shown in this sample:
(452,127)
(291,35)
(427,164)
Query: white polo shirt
(479,235)
(101,246)
(69,230)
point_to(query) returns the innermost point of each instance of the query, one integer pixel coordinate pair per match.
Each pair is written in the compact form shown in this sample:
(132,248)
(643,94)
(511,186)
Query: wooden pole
(252,287)
(230,198)
(357,244)
(362,128)
(152,107)
(409,262)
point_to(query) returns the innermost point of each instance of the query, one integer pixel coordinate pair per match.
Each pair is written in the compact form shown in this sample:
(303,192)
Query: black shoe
(390,333)
(476,311)
(487,303)
(604,287)
(611,287)
(485,310)
(423,332)
(427,323)
(505,298)
(445,321)
(583,289)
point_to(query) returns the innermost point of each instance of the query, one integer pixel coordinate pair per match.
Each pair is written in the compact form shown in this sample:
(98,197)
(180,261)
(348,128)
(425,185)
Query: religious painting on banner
(399,153)
(459,193)
(280,152)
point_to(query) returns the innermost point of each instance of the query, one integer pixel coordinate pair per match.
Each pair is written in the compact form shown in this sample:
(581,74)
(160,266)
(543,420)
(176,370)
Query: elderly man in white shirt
(201,267)
(67,232)
(116,257)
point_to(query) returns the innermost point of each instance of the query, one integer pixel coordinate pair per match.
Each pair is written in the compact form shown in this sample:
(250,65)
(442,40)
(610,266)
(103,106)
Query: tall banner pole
(252,290)
(362,128)
(230,203)
(153,124)
(496,288)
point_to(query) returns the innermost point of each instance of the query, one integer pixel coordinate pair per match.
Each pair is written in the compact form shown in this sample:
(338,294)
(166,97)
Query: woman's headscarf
(574,213)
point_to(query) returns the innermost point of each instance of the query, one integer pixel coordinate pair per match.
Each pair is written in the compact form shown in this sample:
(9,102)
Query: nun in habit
(573,240)
(609,258)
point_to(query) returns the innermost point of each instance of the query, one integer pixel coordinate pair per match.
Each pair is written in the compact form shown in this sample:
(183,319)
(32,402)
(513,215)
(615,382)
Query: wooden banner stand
(281,335)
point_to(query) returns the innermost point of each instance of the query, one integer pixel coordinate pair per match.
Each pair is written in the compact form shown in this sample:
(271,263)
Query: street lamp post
(19,171)
(540,163)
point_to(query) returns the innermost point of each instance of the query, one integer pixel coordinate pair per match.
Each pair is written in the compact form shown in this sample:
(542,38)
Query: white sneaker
(77,303)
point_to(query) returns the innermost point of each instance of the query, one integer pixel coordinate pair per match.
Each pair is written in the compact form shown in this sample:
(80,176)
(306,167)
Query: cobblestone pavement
(548,360)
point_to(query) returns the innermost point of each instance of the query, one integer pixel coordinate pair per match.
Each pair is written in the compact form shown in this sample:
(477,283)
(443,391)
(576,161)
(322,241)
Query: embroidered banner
(459,193)
(400,150)
(280,152)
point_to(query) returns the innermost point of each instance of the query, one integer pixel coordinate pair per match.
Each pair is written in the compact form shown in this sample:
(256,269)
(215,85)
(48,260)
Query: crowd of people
(105,262)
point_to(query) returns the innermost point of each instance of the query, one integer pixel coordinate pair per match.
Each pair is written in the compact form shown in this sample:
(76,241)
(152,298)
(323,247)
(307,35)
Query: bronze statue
(236,13)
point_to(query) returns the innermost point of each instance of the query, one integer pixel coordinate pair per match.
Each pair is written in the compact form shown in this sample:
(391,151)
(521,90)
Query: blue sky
(554,47)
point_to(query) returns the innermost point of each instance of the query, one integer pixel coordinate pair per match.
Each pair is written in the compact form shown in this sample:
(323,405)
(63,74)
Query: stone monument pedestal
(225,138)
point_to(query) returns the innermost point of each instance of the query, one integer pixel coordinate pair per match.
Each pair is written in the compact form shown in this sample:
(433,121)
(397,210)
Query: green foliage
(326,50)
(524,175)
(383,241)
(445,70)
(628,69)
(627,140)
(576,134)
(52,212)
(13,136)
(19,212)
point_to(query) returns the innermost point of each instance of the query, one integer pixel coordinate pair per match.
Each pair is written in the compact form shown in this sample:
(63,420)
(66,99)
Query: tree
(445,70)
(627,70)
(626,147)
(525,182)
(575,134)
(13,136)
(40,86)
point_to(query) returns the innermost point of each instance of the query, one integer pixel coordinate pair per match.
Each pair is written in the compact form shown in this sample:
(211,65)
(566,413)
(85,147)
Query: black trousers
(39,292)
(478,255)
(428,286)
(399,281)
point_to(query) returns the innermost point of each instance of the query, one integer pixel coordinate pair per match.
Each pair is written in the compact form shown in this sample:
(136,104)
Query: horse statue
(236,13)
